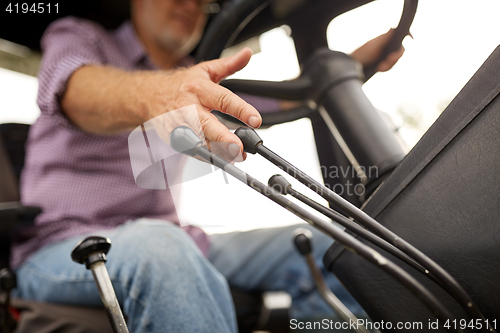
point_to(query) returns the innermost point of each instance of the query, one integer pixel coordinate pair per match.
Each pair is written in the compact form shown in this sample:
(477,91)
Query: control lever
(92,252)
(302,240)
(184,140)
(8,281)
(252,143)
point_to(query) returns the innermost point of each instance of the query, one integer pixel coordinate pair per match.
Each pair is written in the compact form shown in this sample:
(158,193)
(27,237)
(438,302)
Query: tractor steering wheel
(241,19)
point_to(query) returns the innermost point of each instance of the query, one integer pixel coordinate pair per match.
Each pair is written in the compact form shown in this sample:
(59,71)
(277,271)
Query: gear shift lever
(92,252)
(302,240)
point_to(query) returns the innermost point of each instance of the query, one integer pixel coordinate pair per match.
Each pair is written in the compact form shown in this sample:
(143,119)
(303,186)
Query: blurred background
(451,39)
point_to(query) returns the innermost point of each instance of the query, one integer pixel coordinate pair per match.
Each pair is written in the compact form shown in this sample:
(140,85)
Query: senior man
(94,87)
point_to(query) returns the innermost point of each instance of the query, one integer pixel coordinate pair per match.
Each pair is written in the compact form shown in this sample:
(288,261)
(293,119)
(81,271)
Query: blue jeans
(164,284)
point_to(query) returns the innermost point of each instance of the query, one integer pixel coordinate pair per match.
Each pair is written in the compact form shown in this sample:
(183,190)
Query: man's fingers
(215,97)
(391,60)
(222,68)
(212,96)
(223,141)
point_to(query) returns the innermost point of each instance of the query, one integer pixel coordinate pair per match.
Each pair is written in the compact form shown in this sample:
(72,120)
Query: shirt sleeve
(67,45)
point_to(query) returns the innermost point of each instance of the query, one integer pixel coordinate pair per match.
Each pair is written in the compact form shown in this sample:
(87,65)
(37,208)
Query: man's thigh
(51,276)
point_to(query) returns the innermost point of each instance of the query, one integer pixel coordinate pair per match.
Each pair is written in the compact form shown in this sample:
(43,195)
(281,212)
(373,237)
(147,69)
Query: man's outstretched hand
(107,100)
(198,85)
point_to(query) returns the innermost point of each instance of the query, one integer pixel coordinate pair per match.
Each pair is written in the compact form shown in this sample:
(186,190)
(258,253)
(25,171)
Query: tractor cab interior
(428,219)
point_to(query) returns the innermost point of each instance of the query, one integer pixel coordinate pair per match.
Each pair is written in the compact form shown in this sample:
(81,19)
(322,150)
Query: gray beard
(180,46)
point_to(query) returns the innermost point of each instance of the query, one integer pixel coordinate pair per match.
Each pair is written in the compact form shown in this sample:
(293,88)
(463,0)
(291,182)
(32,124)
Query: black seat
(12,214)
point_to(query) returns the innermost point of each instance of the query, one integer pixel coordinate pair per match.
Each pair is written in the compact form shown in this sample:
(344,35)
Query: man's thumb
(221,68)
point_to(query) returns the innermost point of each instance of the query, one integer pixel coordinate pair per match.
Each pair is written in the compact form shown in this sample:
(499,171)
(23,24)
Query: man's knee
(152,240)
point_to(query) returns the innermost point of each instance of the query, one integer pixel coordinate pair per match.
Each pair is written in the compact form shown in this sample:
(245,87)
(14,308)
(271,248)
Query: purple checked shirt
(84,182)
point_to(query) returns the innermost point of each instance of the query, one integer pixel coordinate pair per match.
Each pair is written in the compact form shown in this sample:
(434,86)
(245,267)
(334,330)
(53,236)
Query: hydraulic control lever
(252,143)
(302,240)
(92,252)
(184,140)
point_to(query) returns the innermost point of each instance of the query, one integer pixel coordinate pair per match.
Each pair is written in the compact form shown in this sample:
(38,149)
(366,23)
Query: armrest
(12,213)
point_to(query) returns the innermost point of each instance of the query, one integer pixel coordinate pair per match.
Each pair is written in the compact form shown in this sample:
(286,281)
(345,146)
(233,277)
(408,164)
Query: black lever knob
(91,250)
(302,241)
(251,140)
(8,280)
(279,183)
(184,140)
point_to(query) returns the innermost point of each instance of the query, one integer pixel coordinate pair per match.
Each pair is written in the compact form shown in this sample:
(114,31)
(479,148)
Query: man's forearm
(106,100)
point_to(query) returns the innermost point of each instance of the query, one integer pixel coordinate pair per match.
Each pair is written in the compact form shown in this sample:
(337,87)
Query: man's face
(175,25)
